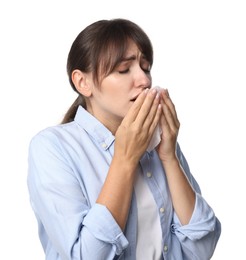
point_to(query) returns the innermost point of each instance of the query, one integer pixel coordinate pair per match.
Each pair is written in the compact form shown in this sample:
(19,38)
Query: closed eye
(123,71)
(146,70)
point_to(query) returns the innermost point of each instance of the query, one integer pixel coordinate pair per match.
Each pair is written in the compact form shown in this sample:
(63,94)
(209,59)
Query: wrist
(125,159)
(171,162)
(124,165)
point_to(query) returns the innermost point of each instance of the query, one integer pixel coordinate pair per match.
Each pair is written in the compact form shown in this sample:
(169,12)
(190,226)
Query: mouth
(134,98)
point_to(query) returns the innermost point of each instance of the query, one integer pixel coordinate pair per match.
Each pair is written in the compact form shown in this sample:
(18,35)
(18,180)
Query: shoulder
(52,136)
(55,132)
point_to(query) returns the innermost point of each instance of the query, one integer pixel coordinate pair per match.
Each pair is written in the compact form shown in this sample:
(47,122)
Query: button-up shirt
(68,164)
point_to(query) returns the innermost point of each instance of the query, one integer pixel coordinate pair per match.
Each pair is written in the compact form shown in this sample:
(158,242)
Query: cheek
(119,94)
(117,90)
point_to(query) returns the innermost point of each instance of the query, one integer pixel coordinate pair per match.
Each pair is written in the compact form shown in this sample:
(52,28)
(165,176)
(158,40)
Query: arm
(194,223)
(200,236)
(182,193)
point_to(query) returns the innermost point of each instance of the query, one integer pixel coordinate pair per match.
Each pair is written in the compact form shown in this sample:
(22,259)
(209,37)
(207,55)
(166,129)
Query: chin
(122,115)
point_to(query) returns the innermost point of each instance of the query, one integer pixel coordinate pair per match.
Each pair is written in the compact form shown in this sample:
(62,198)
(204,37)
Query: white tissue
(156,138)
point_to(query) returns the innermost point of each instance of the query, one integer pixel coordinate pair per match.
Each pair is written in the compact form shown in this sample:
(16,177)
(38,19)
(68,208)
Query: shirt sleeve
(67,224)
(198,238)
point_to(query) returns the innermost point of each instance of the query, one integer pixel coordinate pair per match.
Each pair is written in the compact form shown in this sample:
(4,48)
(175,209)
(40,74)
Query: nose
(143,78)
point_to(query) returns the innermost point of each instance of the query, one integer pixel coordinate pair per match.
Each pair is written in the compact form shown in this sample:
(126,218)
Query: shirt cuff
(103,226)
(202,222)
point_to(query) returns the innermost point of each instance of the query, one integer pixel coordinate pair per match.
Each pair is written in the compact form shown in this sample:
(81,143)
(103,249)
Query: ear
(82,82)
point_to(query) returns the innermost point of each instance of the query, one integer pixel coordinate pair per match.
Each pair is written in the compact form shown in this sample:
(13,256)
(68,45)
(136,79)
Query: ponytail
(70,114)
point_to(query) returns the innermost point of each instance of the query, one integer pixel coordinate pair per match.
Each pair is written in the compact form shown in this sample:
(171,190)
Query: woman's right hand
(134,134)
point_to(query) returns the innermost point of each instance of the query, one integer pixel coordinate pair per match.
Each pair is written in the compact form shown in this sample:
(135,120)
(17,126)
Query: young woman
(97,189)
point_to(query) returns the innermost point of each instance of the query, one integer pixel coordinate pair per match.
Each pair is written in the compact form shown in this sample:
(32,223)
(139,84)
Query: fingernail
(167,92)
(153,91)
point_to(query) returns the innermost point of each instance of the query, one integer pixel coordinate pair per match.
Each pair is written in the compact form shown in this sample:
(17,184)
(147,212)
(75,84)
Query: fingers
(143,109)
(146,111)
(138,125)
(156,119)
(148,108)
(170,116)
(135,108)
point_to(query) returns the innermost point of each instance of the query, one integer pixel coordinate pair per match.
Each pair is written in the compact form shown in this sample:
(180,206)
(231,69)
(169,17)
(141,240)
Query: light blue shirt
(68,165)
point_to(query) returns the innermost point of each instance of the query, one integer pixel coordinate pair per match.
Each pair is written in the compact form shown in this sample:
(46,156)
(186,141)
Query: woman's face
(111,101)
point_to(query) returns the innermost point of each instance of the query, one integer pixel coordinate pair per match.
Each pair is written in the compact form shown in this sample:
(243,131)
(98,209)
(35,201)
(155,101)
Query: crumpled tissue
(156,138)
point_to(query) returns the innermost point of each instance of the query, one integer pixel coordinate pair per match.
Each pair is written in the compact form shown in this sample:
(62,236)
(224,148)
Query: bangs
(115,39)
(112,53)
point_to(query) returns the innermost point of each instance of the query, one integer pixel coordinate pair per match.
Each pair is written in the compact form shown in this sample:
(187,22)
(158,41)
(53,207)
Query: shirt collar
(94,128)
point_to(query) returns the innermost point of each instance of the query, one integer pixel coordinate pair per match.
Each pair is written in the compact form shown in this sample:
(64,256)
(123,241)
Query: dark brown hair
(99,48)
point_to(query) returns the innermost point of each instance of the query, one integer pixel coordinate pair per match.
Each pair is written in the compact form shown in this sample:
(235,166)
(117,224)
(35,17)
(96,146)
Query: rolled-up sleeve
(101,225)
(199,237)
(201,223)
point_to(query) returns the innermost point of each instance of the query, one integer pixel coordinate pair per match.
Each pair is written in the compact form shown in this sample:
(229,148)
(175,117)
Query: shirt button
(165,248)
(149,174)
(162,210)
(104,145)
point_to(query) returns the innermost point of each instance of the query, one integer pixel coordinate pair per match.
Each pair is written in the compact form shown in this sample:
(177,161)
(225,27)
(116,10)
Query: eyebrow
(130,58)
(133,57)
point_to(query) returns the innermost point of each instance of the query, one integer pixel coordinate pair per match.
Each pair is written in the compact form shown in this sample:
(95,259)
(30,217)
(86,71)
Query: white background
(200,56)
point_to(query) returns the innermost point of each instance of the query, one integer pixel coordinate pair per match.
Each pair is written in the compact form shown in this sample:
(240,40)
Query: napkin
(156,138)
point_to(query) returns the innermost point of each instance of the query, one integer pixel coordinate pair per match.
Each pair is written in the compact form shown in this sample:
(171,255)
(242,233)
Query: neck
(110,123)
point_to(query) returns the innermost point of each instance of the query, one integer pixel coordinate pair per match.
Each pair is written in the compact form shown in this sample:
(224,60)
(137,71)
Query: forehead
(132,50)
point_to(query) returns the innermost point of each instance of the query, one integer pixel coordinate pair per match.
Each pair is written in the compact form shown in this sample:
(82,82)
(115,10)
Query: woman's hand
(182,193)
(170,127)
(134,133)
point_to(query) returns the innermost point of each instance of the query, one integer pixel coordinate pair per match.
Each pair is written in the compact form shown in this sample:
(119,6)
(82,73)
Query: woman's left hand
(170,127)
(182,193)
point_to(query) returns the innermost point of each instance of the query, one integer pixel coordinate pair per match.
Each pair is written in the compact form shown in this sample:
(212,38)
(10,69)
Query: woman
(97,188)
